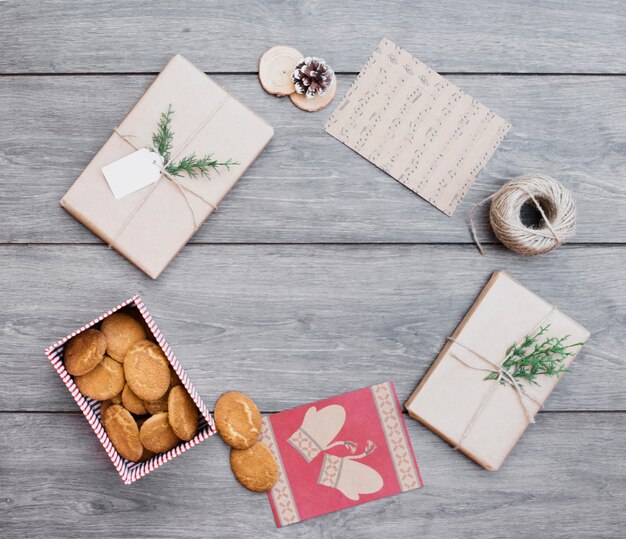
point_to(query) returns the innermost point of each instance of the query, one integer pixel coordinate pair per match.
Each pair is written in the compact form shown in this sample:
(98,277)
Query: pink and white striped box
(131,471)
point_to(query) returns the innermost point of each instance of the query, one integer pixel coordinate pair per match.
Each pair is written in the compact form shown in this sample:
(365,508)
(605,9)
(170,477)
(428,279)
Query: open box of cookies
(131,388)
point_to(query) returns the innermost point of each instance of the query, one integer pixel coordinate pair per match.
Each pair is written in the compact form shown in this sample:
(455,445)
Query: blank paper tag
(133,172)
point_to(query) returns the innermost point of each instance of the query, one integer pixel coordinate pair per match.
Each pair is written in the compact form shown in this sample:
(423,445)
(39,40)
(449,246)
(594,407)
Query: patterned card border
(280,496)
(398,441)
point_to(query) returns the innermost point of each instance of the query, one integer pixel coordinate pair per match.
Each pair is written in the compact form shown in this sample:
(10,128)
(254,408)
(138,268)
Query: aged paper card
(418,127)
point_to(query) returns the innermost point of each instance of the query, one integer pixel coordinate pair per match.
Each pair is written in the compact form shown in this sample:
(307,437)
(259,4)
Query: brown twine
(502,375)
(554,203)
(183,189)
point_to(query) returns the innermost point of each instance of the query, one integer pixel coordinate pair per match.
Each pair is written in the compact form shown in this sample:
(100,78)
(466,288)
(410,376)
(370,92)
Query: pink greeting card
(339,452)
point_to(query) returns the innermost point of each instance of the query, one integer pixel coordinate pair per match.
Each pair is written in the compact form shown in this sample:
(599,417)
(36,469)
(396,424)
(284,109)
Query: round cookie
(316,103)
(158,406)
(156,434)
(147,370)
(255,467)
(84,351)
(275,69)
(237,419)
(123,432)
(121,331)
(182,413)
(132,402)
(102,383)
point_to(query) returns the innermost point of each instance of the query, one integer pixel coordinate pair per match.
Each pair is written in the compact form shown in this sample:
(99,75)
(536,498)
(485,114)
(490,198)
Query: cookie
(123,432)
(158,406)
(121,331)
(104,382)
(157,435)
(315,103)
(132,402)
(147,370)
(182,413)
(84,351)
(275,69)
(255,467)
(237,419)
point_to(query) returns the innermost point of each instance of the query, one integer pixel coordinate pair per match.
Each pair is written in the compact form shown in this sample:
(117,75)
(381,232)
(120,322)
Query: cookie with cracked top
(123,432)
(147,370)
(237,419)
(255,468)
(84,352)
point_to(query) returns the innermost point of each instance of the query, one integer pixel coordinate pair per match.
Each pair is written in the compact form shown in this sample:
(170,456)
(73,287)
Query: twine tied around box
(502,375)
(183,189)
(554,203)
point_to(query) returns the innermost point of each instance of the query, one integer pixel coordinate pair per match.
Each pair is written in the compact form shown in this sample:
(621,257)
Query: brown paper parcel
(455,401)
(150,226)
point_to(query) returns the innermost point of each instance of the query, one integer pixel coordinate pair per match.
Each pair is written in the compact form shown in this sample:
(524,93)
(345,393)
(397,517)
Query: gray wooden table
(319,273)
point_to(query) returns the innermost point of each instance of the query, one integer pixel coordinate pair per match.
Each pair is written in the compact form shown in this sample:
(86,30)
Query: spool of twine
(554,203)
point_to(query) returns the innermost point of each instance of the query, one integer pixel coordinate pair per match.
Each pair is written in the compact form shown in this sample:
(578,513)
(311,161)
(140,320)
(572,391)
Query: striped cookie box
(131,471)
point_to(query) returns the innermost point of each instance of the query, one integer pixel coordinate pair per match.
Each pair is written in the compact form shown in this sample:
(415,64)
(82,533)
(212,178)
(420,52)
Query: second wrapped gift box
(467,398)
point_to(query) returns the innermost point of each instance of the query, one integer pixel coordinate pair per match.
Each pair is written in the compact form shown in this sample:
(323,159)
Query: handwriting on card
(417,126)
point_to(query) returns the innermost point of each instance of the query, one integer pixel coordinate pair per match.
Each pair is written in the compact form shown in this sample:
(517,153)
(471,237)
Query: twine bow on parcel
(501,375)
(554,203)
(183,189)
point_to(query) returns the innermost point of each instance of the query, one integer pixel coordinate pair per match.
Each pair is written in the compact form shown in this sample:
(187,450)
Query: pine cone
(312,77)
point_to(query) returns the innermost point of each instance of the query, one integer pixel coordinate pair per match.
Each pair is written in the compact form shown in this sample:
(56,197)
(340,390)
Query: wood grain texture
(481,36)
(557,483)
(294,324)
(283,316)
(307,187)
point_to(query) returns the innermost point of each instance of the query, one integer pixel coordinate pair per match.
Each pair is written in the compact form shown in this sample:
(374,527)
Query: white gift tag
(133,172)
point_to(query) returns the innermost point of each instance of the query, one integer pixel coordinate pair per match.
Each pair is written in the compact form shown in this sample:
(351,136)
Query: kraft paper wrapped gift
(150,226)
(484,418)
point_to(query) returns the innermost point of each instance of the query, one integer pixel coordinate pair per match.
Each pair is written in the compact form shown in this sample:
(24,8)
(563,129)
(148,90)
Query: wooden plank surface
(293,324)
(307,187)
(557,483)
(582,36)
(319,274)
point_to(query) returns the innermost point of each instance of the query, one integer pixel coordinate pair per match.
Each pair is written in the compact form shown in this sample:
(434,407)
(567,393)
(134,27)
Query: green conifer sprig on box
(530,359)
(192,164)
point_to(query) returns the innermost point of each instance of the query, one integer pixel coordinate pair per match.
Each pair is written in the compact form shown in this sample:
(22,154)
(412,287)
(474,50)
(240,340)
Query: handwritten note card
(418,127)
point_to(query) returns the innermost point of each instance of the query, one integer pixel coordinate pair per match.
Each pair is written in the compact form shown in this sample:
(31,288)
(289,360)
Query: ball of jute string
(554,203)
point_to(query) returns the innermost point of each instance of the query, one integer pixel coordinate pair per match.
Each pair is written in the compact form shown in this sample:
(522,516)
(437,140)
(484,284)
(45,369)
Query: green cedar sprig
(164,135)
(197,166)
(192,164)
(531,358)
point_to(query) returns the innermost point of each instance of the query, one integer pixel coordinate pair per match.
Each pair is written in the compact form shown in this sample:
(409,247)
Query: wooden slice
(275,69)
(315,103)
